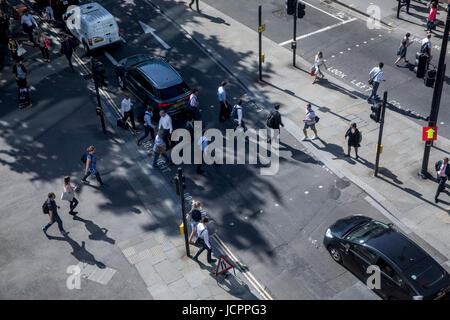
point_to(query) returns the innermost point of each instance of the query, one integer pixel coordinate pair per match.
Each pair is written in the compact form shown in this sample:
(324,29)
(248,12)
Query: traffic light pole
(437,92)
(294,40)
(179,180)
(380,134)
(260,41)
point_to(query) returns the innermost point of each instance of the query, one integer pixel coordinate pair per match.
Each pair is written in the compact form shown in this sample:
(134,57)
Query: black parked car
(155,82)
(407,271)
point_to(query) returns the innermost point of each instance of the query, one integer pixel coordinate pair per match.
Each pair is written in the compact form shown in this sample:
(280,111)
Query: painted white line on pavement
(321,10)
(319,31)
(148,29)
(246,274)
(386,213)
(111,58)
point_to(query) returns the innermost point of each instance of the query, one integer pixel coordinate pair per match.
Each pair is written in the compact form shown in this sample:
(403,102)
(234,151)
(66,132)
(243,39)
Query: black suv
(155,82)
(406,270)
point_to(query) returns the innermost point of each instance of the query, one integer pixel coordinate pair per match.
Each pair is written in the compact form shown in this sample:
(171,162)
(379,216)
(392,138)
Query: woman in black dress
(401,53)
(353,139)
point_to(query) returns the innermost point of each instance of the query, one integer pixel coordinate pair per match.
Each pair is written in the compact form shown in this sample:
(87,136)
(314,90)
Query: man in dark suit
(443,171)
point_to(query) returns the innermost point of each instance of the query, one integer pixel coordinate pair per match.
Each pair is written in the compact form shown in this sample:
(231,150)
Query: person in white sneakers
(310,122)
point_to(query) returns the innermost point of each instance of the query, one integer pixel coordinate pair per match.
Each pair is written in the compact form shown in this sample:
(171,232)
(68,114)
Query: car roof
(397,248)
(160,73)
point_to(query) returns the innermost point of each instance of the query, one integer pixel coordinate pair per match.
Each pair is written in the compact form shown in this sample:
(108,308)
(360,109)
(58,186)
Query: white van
(92,25)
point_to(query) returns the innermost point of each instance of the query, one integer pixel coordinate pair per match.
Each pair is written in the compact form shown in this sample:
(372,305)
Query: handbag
(67,196)
(312,72)
(21,50)
(371,79)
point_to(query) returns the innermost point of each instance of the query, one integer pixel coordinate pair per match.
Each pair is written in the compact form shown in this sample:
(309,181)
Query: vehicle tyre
(120,82)
(87,51)
(335,254)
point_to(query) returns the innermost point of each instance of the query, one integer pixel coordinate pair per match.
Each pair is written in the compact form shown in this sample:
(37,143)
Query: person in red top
(431,17)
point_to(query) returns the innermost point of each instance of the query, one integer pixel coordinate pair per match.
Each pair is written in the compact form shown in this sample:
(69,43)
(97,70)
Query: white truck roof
(93,12)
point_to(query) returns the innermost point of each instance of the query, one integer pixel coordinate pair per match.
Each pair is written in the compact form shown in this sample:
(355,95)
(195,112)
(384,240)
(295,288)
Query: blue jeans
(375,86)
(156,157)
(56,219)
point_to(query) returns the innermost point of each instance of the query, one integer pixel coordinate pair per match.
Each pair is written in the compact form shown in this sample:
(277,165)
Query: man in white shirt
(203,240)
(310,122)
(27,21)
(194,105)
(224,107)
(442,171)
(203,144)
(165,123)
(127,110)
(425,47)
(239,113)
(376,75)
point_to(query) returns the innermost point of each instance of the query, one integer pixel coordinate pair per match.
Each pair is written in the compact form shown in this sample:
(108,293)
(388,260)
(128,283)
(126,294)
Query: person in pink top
(431,17)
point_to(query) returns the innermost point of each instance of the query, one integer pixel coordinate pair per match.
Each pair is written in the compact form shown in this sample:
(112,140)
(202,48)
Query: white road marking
(148,29)
(321,10)
(320,187)
(306,192)
(319,31)
(110,58)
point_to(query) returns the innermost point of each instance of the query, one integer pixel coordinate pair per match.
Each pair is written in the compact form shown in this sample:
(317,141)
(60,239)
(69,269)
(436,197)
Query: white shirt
(443,168)
(377,75)
(239,113)
(28,20)
(126,106)
(310,115)
(425,41)
(319,61)
(221,94)
(148,119)
(166,123)
(202,232)
(159,142)
(193,100)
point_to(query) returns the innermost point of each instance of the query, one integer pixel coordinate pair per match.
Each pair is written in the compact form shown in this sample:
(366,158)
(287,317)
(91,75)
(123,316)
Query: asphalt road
(351,50)
(273,224)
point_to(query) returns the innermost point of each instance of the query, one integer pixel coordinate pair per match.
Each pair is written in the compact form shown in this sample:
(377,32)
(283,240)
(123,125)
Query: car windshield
(173,92)
(425,273)
(367,231)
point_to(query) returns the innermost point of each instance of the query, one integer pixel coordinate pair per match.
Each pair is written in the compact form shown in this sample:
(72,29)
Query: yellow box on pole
(182,228)
(381,149)
(262,57)
(262,28)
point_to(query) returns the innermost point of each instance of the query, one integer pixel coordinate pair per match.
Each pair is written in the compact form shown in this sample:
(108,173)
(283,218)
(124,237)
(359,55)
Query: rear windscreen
(173,92)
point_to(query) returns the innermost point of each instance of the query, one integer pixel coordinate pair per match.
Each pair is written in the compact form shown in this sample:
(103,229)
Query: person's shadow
(96,233)
(79,252)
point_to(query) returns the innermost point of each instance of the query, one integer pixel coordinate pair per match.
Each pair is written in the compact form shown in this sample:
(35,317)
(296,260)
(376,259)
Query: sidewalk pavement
(125,236)
(408,199)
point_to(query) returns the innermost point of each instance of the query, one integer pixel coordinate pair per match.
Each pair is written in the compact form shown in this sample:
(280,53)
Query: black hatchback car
(406,270)
(155,82)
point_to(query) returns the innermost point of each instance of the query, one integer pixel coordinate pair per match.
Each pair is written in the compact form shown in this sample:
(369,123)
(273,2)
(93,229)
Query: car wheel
(120,82)
(335,254)
(87,51)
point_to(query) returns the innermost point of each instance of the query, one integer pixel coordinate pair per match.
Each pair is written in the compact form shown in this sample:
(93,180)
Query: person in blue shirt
(160,148)
(91,166)
(53,215)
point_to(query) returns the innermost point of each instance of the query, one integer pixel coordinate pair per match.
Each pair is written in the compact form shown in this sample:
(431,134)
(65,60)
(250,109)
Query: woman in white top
(69,192)
(318,60)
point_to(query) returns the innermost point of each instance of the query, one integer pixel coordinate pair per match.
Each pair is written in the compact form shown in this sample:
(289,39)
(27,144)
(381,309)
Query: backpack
(234,112)
(84,158)
(45,209)
(270,120)
(424,48)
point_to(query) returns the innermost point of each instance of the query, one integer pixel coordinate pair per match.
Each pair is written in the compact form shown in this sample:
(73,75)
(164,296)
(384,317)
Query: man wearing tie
(443,170)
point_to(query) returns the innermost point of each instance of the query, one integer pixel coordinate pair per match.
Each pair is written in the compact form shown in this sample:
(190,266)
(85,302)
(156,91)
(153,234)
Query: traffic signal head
(376,112)
(301,10)
(290,7)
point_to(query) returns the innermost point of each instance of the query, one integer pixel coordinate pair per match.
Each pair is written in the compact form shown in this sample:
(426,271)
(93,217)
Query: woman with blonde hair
(319,62)
(68,194)
(195,216)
